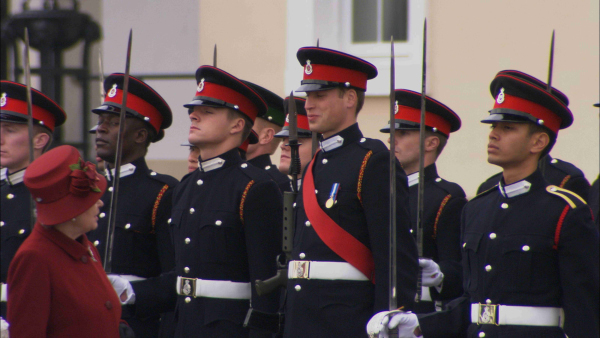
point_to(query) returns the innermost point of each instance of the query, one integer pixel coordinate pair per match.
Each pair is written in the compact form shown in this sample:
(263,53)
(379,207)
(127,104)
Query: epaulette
(485,192)
(253,173)
(166,179)
(570,197)
(450,187)
(372,144)
(566,167)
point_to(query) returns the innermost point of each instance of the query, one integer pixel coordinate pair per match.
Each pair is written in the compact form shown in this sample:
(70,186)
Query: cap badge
(308,68)
(396,107)
(500,98)
(113,91)
(200,86)
(3,100)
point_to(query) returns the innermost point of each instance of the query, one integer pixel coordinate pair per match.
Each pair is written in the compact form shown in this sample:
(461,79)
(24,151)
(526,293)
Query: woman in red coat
(57,287)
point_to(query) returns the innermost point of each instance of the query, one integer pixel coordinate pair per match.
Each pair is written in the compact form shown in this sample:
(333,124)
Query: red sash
(336,238)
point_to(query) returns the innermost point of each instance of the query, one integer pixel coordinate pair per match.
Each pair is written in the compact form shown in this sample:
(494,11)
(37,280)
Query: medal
(332,195)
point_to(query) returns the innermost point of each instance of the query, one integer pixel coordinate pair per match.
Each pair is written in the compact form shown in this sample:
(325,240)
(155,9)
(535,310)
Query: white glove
(123,289)
(431,274)
(380,324)
(3,328)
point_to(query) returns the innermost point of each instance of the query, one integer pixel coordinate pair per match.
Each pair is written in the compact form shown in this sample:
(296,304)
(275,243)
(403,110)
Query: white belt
(516,315)
(213,288)
(3,291)
(132,278)
(324,270)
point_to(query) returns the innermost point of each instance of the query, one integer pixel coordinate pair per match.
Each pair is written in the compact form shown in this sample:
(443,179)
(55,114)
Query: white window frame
(330,21)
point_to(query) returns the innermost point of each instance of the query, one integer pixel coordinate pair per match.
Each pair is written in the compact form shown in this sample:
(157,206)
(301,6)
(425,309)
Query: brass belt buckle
(188,286)
(487,314)
(301,269)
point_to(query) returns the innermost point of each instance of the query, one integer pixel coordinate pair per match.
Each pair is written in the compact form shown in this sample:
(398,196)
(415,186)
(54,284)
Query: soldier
(14,159)
(443,200)
(192,157)
(558,172)
(304,138)
(530,248)
(339,275)
(266,127)
(226,215)
(143,252)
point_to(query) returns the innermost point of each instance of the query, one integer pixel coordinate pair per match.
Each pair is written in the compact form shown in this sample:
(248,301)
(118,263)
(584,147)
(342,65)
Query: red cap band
(551,120)
(302,121)
(335,74)
(230,96)
(38,113)
(244,145)
(140,106)
(431,120)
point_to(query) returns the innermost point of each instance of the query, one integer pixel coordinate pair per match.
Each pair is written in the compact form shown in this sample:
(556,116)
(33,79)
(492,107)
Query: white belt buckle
(300,269)
(487,314)
(188,286)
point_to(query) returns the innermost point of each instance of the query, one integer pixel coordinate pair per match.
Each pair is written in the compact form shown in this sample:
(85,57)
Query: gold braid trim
(564,181)
(361,174)
(244,200)
(156,204)
(437,217)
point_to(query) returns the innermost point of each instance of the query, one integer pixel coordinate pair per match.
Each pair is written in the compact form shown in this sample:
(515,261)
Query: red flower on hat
(83,178)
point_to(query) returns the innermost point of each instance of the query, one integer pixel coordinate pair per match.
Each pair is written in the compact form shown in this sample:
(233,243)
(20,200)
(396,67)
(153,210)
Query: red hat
(438,117)
(520,100)
(63,186)
(13,105)
(143,102)
(218,88)
(302,120)
(327,68)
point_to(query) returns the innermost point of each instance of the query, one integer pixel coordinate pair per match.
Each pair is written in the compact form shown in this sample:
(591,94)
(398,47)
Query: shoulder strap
(244,194)
(156,204)
(565,194)
(363,166)
(337,239)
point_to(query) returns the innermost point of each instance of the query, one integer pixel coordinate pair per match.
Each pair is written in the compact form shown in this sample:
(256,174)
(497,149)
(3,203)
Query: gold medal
(329,203)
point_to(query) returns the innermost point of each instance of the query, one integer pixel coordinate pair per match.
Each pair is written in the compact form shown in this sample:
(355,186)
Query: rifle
(32,215)
(421,192)
(542,161)
(289,197)
(112,218)
(215,56)
(393,300)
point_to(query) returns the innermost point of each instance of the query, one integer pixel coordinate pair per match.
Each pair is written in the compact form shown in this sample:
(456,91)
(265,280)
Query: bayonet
(393,300)
(215,56)
(421,191)
(101,77)
(551,64)
(117,164)
(29,119)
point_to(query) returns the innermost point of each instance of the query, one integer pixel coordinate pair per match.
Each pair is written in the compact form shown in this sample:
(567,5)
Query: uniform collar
(533,181)
(429,171)
(128,169)
(347,136)
(75,248)
(261,161)
(230,157)
(3,172)
(14,178)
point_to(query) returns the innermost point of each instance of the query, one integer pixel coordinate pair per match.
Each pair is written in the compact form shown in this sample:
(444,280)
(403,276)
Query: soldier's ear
(266,135)
(538,143)
(40,141)
(237,125)
(141,136)
(351,98)
(432,143)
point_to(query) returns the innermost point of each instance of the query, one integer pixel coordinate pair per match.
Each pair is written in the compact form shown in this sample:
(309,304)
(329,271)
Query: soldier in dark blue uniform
(530,248)
(339,275)
(304,138)
(226,215)
(443,200)
(15,216)
(558,172)
(259,153)
(143,255)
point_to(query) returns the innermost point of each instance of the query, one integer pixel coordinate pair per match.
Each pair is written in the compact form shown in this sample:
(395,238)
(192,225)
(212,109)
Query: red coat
(57,288)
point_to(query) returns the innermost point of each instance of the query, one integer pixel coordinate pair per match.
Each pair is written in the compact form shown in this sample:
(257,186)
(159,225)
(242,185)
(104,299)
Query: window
(361,28)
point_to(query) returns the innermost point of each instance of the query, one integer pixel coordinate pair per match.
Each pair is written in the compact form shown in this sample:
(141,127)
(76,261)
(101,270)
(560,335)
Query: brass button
(481,334)
(96,242)
(169,221)
(488,268)
(218,223)
(438,179)
(297,287)
(492,236)
(302,255)
(268,167)
(188,299)
(307,223)
(199,182)
(22,231)
(488,301)
(192,210)
(10,196)
(102,215)
(504,205)
(186,269)
(127,226)
(1,223)
(244,165)
(525,248)
(324,161)
(187,241)
(153,173)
